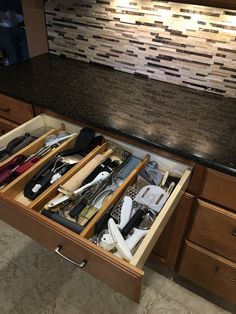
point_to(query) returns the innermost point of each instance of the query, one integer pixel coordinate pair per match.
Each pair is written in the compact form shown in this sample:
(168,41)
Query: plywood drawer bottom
(209,270)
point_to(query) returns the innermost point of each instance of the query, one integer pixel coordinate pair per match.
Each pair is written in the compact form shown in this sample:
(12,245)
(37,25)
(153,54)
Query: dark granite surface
(195,125)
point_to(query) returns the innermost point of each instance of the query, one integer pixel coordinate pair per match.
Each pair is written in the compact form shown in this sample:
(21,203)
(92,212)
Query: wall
(188,45)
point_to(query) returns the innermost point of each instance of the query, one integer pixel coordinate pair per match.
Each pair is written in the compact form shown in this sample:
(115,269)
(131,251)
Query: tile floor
(34,280)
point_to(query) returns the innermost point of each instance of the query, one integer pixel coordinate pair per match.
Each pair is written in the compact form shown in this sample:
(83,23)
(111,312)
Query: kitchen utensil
(82,143)
(76,180)
(63,221)
(125,212)
(166,175)
(8,173)
(141,230)
(56,168)
(116,212)
(56,139)
(49,174)
(114,239)
(107,165)
(59,200)
(150,196)
(118,178)
(95,202)
(7,169)
(15,145)
(102,222)
(155,175)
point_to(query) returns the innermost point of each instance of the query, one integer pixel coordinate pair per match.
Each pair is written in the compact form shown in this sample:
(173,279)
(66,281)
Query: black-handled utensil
(135,220)
(63,221)
(77,209)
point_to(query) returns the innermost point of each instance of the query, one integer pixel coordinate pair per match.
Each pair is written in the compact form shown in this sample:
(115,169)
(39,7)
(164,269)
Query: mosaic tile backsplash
(184,44)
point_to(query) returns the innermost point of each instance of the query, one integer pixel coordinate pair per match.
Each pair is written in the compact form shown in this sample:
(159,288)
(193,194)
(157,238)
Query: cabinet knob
(80,265)
(5,109)
(221,275)
(234,232)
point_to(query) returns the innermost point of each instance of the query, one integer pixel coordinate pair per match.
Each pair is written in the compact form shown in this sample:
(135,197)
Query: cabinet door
(15,110)
(167,248)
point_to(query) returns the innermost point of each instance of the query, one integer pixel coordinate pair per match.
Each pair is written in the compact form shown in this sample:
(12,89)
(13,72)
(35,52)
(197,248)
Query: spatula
(150,196)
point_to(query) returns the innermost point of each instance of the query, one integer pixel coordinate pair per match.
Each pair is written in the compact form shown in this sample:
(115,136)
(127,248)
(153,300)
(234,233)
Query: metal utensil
(150,196)
(59,200)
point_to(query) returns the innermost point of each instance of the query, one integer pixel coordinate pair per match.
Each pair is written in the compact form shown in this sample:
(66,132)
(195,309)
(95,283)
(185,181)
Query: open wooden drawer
(125,277)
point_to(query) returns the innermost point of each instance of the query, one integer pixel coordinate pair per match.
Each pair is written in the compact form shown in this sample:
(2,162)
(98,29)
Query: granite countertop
(195,125)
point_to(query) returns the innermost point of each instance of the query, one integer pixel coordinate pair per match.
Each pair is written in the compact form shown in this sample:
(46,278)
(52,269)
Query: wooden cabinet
(209,270)
(215,229)
(15,110)
(220,188)
(209,257)
(6,126)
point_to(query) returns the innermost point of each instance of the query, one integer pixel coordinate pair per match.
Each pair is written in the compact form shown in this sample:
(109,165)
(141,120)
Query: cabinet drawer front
(15,110)
(121,275)
(6,126)
(100,264)
(220,188)
(215,229)
(210,271)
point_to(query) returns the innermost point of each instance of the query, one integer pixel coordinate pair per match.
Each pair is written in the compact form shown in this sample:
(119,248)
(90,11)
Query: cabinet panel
(210,271)
(15,110)
(220,188)
(6,126)
(168,246)
(215,228)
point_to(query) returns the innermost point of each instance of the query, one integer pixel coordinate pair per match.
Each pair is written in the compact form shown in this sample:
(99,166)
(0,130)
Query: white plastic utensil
(114,239)
(125,212)
(59,200)
(140,231)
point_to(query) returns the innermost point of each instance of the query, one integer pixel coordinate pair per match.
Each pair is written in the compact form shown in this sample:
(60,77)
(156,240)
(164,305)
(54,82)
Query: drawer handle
(5,109)
(217,272)
(234,233)
(80,265)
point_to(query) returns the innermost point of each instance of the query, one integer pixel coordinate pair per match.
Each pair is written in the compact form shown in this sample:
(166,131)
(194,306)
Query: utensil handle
(125,212)
(27,165)
(63,221)
(78,208)
(134,221)
(75,182)
(80,265)
(134,239)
